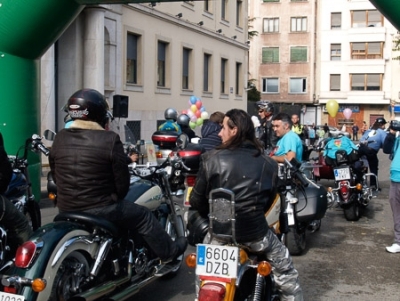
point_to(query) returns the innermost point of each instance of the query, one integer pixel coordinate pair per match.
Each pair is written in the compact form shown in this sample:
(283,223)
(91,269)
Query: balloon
(202,109)
(199,121)
(199,104)
(190,113)
(192,125)
(347,113)
(184,112)
(193,100)
(197,113)
(332,107)
(193,108)
(193,118)
(204,115)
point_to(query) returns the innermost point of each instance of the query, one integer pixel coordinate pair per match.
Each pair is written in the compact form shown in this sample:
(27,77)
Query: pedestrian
(370,143)
(209,132)
(344,128)
(311,134)
(326,130)
(364,128)
(391,146)
(254,183)
(355,130)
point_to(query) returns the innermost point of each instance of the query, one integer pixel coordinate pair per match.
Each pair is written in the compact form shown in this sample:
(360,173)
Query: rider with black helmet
(183,121)
(268,137)
(89,167)
(371,141)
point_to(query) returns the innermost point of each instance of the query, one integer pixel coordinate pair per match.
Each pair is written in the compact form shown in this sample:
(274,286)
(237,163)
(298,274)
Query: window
(132,58)
(369,50)
(186,58)
(224,84)
(207,5)
(298,0)
(366,18)
(270,55)
(297,85)
(336,20)
(238,79)
(298,54)
(336,52)
(239,8)
(366,82)
(271,25)
(270,85)
(271,0)
(206,72)
(298,24)
(335,82)
(224,9)
(161,63)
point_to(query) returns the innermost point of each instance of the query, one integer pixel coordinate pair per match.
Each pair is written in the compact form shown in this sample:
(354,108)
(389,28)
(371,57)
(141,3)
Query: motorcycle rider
(370,143)
(289,145)
(14,221)
(89,167)
(183,121)
(170,115)
(268,137)
(254,184)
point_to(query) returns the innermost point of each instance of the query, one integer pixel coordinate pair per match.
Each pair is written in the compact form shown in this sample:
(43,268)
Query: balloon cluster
(196,112)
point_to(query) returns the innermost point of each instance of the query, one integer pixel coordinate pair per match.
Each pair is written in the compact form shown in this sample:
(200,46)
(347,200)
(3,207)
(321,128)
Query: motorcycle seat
(90,220)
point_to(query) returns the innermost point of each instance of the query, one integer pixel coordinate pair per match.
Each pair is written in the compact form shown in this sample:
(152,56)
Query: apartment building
(156,55)
(309,52)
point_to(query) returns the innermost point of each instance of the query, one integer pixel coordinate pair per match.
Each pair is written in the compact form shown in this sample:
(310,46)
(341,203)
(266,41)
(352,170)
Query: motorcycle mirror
(49,135)
(182,141)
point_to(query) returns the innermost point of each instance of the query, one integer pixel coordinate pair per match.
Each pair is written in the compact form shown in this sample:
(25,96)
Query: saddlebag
(312,203)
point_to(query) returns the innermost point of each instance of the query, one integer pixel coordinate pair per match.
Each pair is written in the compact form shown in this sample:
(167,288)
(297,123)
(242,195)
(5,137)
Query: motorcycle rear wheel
(352,211)
(71,272)
(295,240)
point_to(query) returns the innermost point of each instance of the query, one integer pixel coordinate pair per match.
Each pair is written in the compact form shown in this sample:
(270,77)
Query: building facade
(155,55)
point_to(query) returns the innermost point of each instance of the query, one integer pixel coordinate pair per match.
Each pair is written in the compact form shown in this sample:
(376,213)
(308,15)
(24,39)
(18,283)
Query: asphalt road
(343,260)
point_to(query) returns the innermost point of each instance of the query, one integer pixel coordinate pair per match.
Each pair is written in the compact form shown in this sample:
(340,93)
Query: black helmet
(89,104)
(380,120)
(197,227)
(171,113)
(183,120)
(266,106)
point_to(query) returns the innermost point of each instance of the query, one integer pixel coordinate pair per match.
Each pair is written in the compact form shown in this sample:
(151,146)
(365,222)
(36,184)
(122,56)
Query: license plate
(11,297)
(217,261)
(187,195)
(342,173)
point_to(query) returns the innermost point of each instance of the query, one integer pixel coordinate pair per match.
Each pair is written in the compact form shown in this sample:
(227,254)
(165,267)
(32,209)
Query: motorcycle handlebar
(38,145)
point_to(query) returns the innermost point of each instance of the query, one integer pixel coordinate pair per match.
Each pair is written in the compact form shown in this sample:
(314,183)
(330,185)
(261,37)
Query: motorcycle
(229,271)
(351,190)
(20,188)
(305,204)
(80,256)
(20,194)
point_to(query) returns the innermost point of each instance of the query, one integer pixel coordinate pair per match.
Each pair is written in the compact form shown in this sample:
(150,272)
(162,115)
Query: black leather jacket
(268,137)
(89,167)
(252,179)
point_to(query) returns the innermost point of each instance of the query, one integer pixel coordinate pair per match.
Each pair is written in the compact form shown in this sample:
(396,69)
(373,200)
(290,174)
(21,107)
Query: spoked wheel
(295,240)
(352,211)
(71,273)
(33,215)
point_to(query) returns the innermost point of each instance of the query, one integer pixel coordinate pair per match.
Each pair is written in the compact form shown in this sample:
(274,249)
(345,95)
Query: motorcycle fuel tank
(145,193)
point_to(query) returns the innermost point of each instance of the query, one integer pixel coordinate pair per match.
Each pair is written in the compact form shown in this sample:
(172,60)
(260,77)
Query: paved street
(343,261)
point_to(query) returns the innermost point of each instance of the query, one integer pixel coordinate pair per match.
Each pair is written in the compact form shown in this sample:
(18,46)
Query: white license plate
(217,261)
(188,190)
(11,297)
(340,174)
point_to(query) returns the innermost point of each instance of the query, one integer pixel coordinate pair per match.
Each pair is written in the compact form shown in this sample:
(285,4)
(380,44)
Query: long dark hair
(245,131)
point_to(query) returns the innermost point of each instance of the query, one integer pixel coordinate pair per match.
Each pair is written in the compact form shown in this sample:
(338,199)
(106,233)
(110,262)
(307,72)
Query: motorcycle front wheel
(33,215)
(295,240)
(73,271)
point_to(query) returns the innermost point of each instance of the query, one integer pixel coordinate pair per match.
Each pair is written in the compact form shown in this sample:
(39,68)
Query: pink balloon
(184,112)
(347,113)
(199,104)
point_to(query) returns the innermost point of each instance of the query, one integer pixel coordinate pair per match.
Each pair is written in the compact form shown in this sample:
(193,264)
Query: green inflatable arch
(27,29)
